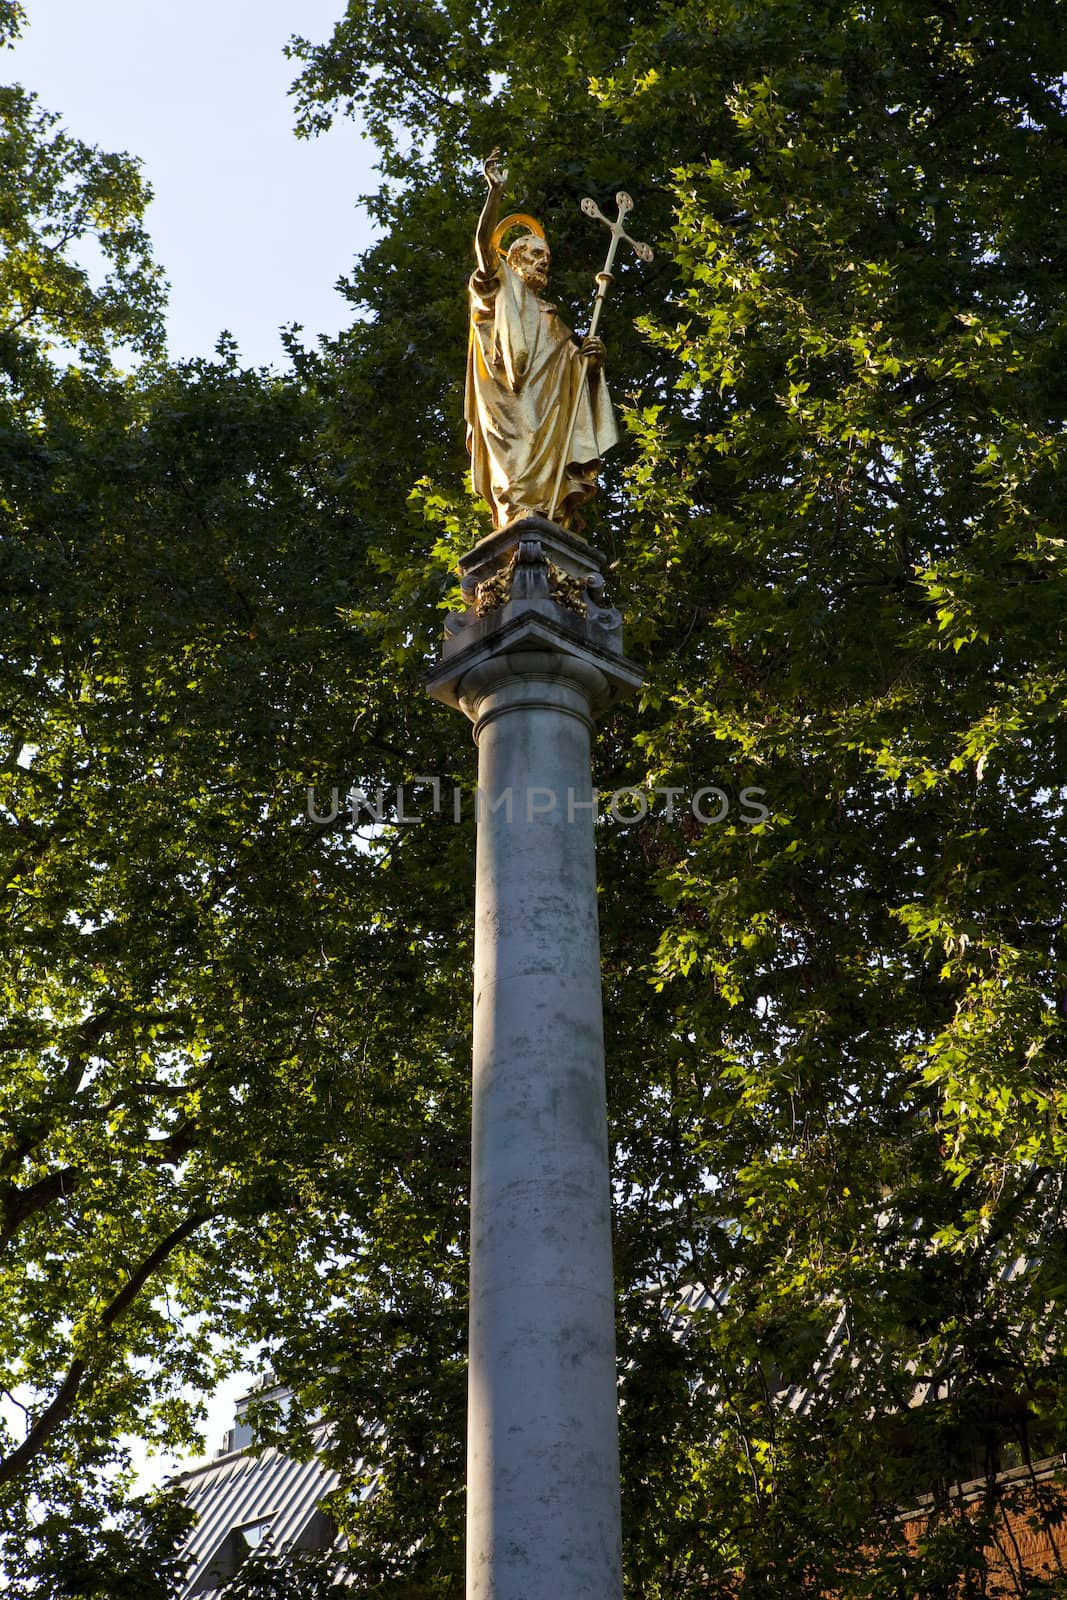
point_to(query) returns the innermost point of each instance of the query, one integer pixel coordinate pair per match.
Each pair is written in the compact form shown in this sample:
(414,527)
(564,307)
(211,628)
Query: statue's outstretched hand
(495,175)
(593,352)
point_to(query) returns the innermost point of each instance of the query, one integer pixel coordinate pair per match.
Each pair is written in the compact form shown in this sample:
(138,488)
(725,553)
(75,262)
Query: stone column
(531,671)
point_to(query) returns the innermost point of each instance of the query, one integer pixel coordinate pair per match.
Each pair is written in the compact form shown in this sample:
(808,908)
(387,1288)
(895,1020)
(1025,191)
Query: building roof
(243,1501)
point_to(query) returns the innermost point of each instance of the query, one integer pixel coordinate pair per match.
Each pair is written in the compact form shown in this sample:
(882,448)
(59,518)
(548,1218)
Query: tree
(191,978)
(838,542)
(200,997)
(62,200)
(112,1548)
(267,1575)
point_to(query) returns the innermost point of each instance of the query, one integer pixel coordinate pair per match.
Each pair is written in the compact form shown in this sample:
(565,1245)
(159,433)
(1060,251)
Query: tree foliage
(200,1004)
(235,1083)
(835,1038)
(75,261)
(106,1546)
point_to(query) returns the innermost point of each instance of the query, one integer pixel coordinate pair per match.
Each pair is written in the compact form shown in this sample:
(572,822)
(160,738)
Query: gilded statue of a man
(525,374)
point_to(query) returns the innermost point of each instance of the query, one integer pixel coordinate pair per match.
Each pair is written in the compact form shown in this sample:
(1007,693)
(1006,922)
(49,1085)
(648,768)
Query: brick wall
(1028,1539)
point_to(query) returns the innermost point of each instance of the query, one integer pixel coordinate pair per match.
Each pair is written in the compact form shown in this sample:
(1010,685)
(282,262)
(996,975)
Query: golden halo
(518,219)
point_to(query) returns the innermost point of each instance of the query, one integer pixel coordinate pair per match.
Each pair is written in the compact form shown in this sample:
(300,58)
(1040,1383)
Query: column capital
(533,644)
(533,590)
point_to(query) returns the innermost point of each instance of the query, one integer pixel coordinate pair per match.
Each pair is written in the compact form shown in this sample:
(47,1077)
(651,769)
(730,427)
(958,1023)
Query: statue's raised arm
(526,377)
(484,249)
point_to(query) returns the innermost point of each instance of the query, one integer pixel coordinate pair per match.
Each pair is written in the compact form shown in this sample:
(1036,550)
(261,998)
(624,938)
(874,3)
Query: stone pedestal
(531,664)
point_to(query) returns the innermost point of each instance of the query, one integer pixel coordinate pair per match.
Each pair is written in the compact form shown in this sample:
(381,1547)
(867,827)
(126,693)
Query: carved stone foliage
(495,591)
(567,591)
(529,572)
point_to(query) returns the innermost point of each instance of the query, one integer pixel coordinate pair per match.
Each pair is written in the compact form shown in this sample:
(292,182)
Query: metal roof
(239,1489)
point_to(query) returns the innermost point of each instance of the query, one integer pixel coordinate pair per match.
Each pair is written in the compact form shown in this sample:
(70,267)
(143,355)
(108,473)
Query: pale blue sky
(252,226)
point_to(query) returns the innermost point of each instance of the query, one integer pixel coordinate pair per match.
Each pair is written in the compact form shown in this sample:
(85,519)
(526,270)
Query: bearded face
(531,258)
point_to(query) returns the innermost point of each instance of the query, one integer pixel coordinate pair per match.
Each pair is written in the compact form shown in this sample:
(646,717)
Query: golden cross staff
(604,280)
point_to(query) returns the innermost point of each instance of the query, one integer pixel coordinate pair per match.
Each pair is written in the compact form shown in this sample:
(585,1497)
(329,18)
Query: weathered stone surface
(543,1475)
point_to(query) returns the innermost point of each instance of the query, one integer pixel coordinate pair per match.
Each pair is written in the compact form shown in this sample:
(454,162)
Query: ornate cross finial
(625,205)
(618,232)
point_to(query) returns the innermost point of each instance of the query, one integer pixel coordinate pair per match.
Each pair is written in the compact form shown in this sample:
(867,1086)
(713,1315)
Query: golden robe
(522,372)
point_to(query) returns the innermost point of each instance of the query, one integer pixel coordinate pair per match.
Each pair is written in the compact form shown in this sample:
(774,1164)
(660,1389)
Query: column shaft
(543,1484)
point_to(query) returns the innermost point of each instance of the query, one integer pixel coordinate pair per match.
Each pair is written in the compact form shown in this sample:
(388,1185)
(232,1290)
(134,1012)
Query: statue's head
(531,258)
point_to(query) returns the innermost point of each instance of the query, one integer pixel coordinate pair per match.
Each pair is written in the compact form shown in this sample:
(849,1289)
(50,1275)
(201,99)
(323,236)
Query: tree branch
(63,1402)
(21,1204)
(86,1039)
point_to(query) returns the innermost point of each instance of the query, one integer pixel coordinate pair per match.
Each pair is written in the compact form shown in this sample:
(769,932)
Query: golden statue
(538,414)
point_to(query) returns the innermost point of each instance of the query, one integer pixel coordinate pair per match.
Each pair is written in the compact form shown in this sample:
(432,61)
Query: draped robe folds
(523,369)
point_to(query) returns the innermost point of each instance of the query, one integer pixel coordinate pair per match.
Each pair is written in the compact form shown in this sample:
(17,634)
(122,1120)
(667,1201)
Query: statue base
(527,586)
